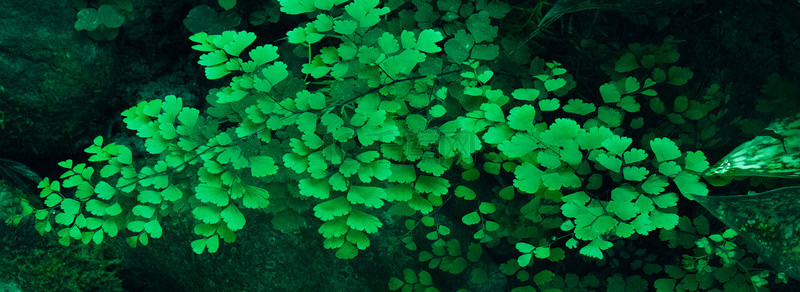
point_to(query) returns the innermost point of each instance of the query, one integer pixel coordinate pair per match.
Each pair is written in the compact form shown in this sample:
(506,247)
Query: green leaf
(233,217)
(369,196)
(458,47)
(634,155)
(53,200)
(664,285)
(426,42)
(524,247)
(471,218)
(199,245)
(578,107)
(270,76)
(255,197)
(527,178)
(322,4)
(437,111)
(135,226)
(207,214)
(611,162)
(71,206)
(617,144)
(542,252)
(526,94)
(635,173)
(654,184)
(493,112)
(486,208)
(212,244)
(109,16)
(480,28)
(261,166)
(143,211)
(690,185)
(239,40)
(543,277)
(114,209)
(611,116)
(395,284)
(464,192)
(549,105)
(104,190)
(65,218)
(88,19)
(696,161)
(485,52)
(345,27)
(294,7)
(153,228)
(317,188)
(669,168)
(522,118)
(664,149)
(626,63)
(207,193)
(554,84)
(333,208)
(363,222)
(388,43)
(595,248)
(434,185)
(663,220)
(666,200)
(524,259)
(679,75)
(365,12)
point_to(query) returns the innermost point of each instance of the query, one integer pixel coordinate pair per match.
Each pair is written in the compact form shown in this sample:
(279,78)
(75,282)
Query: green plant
(412,108)
(103,22)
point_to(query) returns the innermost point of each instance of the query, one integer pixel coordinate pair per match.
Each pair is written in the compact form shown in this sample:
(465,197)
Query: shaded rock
(51,78)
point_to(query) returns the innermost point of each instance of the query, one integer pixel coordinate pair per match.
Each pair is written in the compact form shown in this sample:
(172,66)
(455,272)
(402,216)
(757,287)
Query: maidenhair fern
(393,111)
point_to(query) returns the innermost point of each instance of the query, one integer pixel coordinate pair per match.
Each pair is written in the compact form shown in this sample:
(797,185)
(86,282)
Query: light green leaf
(153,228)
(333,208)
(611,116)
(528,178)
(635,173)
(664,149)
(617,144)
(261,166)
(578,107)
(493,112)
(696,161)
(542,252)
(233,217)
(345,27)
(524,247)
(610,93)
(71,206)
(522,118)
(471,218)
(634,155)
(207,214)
(669,168)
(526,94)
(554,84)
(595,248)
(549,105)
(666,200)
(369,196)
(486,208)
(426,42)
